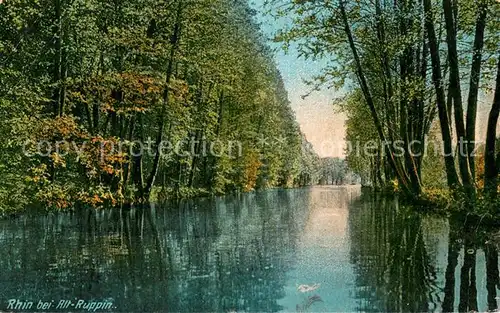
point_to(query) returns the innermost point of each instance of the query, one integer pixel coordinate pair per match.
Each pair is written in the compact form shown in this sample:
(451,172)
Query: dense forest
(127,101)
(110,102)
(415,73)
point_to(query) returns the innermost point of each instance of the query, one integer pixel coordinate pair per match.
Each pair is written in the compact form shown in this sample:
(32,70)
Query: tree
(109,76)
(390,53)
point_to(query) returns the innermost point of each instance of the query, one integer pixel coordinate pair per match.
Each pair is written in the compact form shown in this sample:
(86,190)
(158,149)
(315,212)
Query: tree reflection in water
(492,275)
(218,255)
(470,245)
(396,271)
(248,252)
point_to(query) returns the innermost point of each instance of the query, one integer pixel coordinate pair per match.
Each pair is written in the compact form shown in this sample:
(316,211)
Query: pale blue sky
(322,126)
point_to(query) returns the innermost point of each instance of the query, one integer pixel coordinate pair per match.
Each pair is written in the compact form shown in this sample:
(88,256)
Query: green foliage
(399,70)
(433,172)
(102,75)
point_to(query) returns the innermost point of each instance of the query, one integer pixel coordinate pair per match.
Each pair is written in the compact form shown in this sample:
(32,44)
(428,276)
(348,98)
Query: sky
(322,126)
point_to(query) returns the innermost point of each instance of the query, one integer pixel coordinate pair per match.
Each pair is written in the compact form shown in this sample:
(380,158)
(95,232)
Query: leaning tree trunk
(451,172)
(397,166)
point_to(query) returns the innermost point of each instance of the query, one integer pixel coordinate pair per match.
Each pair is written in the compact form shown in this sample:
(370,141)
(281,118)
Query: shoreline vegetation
(441,202)
(81,78)
(416,72)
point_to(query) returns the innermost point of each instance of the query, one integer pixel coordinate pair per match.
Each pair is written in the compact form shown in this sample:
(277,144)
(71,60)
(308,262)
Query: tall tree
(491,170)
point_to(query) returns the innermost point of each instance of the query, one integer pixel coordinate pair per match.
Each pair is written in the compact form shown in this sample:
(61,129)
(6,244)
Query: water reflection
(255,252)
(215,255)
(472,271)
(400,264)
(394,269)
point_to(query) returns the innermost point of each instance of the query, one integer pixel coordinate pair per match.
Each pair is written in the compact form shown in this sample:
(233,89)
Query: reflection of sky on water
(323,243)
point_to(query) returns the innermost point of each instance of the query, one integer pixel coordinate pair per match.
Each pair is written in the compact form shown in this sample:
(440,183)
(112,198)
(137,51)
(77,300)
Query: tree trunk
(194,161)
(213,161)
(56,97)
(137,160)
(456,93)
(175,39)
(129,164)
(451,172)
(402,177)
(490,167)
(475,74)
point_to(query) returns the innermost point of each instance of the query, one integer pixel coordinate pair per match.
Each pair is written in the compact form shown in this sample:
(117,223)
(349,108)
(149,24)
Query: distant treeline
(335,171)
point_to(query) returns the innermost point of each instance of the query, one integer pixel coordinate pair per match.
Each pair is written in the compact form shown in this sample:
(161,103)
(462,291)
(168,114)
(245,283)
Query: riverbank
(442,202)
(158,195)
(436,202)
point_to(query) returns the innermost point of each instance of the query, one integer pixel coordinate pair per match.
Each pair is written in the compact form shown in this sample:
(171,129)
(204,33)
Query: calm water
(252,253)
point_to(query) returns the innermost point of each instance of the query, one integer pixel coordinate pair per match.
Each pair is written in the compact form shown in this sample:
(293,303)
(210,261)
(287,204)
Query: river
(317,249)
